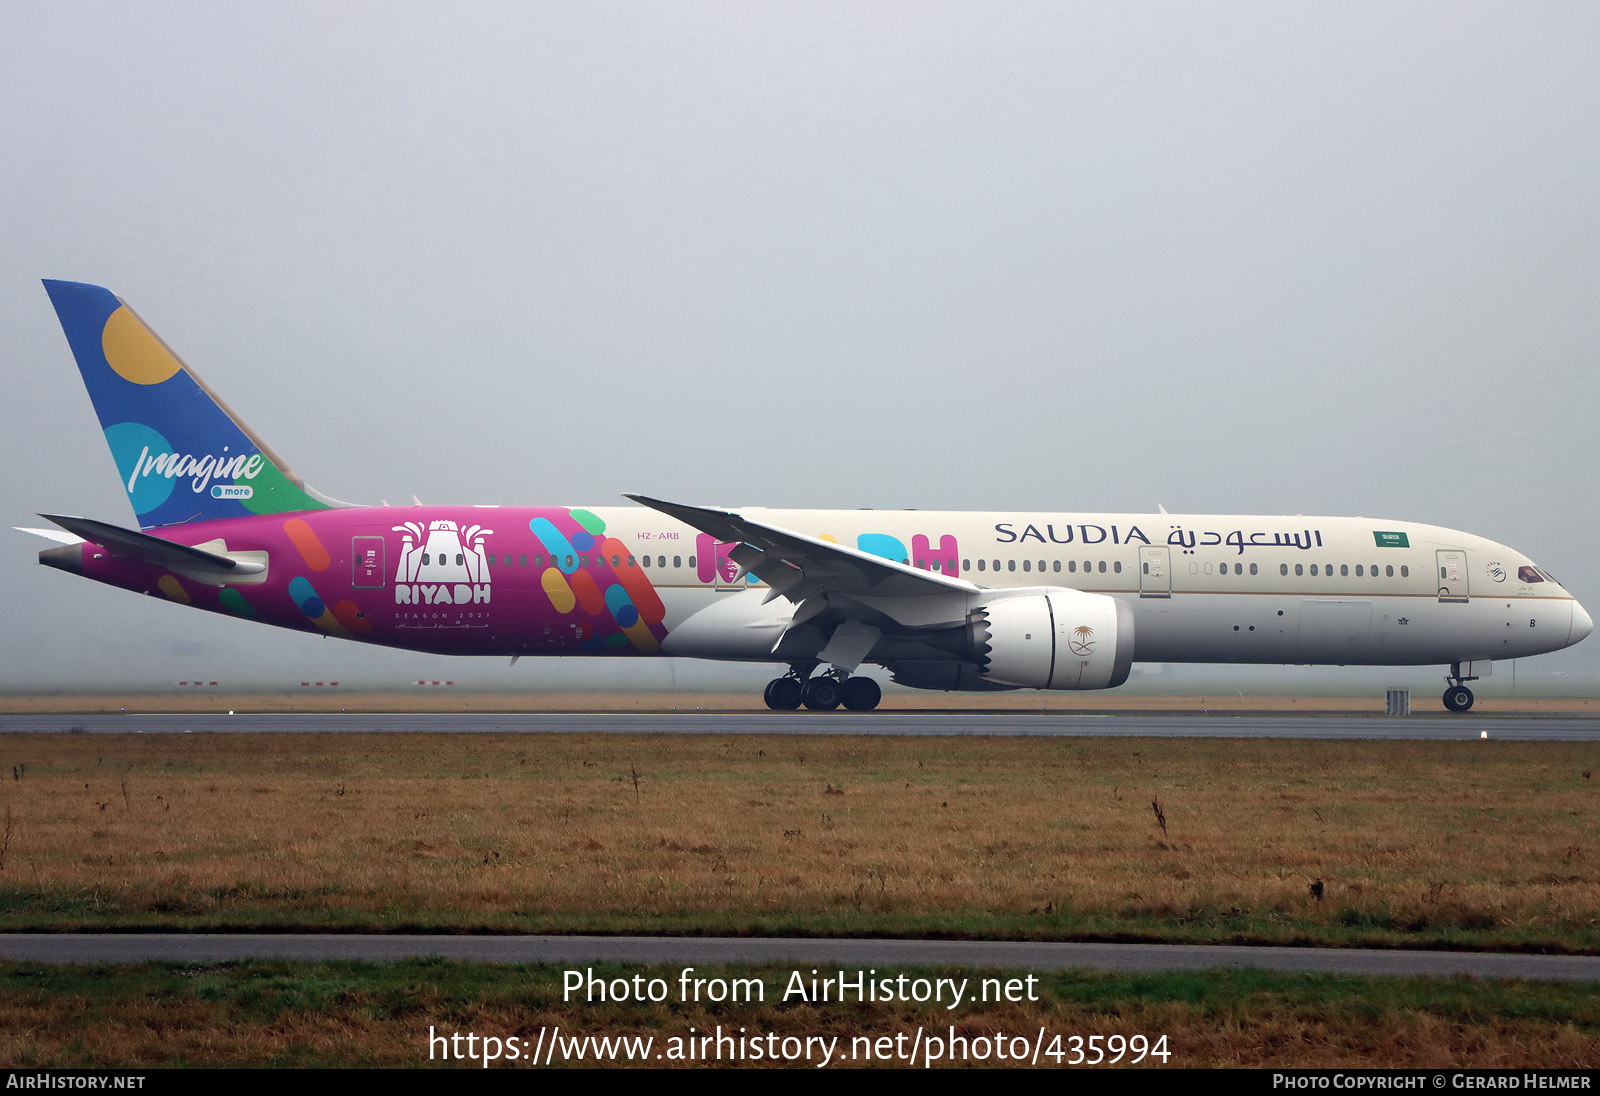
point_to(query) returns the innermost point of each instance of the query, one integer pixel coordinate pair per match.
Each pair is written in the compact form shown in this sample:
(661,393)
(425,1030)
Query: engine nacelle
(1054,639)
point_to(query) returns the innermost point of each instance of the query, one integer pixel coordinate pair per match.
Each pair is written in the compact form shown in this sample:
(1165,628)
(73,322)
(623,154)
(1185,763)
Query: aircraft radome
(943,600)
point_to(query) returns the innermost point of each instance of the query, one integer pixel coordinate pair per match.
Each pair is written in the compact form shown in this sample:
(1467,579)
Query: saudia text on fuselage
(1179,537)
(201,470)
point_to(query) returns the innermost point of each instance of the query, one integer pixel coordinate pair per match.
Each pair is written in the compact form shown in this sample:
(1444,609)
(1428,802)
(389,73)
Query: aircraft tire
(1458,698)
(821,694)
(782,694)
(861,694)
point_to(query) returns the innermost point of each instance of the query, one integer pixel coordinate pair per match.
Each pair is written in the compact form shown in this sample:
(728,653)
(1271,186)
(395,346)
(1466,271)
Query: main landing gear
(822,693)
(1457,698)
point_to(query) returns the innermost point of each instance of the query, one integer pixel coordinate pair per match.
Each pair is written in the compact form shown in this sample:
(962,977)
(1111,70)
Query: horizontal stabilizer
(50,534)
(154,550)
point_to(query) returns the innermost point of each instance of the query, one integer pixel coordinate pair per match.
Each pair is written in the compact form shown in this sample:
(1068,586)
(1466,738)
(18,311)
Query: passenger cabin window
(1313,570)
(1117,567)
(1405,571)
(1252,568)
(645,560)
(677,561)
(980,565)
(1072,565)
(1389,571)
(1011,565)
(1299,569)
(1358,570)
(1027,565)
(1283,568)
(1102,567)
(1344,569)
(1056,566)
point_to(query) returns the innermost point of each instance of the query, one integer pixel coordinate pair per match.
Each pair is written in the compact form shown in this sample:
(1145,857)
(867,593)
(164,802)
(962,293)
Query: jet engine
(1054,639)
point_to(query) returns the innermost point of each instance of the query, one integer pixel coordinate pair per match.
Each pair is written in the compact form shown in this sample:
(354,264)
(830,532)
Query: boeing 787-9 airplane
(943,600)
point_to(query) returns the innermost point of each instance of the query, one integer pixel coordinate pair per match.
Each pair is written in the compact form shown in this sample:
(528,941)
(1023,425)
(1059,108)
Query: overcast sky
(1232,258)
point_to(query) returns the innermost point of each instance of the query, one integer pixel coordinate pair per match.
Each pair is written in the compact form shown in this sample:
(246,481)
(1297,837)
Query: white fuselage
(1203,588)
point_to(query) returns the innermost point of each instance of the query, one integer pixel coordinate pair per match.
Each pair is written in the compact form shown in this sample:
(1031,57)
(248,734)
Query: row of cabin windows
(583,561)
(966,565)
(949,565)
(1027,565)
(1344,570)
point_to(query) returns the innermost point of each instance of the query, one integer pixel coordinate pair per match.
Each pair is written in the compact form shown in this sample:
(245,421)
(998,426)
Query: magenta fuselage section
(445,579)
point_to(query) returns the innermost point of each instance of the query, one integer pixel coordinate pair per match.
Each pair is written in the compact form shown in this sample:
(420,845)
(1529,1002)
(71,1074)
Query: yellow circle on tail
(135,353)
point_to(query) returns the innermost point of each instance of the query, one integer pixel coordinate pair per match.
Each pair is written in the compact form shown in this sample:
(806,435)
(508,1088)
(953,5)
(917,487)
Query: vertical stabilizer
(182,455)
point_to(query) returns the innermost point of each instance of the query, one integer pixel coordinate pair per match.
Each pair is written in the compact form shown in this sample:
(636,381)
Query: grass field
(1389,843)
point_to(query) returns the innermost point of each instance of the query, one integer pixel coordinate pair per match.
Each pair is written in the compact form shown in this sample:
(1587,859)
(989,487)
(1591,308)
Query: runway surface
(1550,728)
(879,954)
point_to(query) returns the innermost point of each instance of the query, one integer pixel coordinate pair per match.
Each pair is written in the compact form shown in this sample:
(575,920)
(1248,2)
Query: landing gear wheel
(861,694)
(1458,698)
(782,694)
(821,694)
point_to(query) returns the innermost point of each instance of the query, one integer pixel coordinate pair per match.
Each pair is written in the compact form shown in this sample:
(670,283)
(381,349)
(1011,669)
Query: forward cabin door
(1155,572)
(1452,574)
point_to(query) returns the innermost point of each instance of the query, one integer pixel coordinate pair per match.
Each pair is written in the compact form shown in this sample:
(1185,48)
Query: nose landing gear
(1457,698)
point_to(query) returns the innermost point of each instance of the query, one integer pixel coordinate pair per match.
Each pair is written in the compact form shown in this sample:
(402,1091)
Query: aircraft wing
(798,567)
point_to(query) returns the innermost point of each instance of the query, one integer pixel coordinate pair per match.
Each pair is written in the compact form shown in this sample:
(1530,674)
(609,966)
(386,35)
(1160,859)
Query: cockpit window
(1548,577)
(1529,574)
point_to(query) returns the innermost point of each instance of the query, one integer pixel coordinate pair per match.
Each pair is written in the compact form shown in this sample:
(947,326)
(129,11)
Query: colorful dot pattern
(620,605)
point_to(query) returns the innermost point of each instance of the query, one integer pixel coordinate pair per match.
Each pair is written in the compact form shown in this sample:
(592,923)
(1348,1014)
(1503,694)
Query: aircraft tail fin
(182,455)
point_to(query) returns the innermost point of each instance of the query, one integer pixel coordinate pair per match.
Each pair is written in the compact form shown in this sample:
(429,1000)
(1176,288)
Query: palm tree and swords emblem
(1082,640)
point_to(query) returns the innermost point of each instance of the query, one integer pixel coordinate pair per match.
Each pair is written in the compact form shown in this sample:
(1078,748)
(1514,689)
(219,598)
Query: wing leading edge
(799,567)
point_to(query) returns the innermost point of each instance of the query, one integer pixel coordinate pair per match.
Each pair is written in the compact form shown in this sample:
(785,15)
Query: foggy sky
(1231,258)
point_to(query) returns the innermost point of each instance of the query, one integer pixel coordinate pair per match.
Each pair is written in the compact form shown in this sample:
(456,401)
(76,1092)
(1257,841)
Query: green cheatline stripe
(1390,540)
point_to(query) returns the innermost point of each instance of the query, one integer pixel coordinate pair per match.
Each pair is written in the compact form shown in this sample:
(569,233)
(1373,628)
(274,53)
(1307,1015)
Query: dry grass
(1413,842)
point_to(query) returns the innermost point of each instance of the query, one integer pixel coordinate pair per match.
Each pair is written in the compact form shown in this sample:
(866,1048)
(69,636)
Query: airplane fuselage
(629,581)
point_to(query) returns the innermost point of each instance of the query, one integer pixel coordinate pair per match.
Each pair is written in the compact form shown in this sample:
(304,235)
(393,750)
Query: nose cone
(1582,624)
